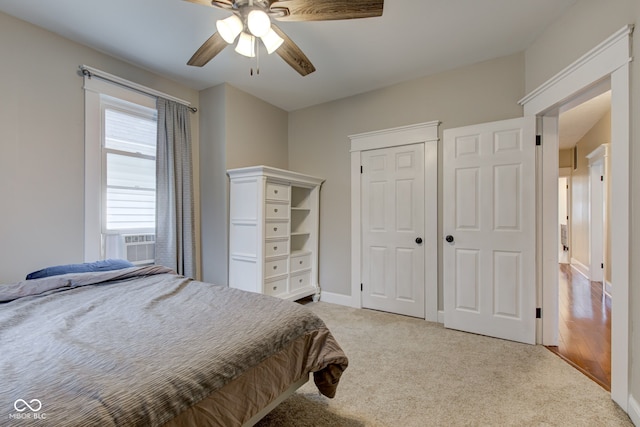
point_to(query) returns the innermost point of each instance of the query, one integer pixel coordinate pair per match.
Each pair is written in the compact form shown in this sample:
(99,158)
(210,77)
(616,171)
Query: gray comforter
(136,346)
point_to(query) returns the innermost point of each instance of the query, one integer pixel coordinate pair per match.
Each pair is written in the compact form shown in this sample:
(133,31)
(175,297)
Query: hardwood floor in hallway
(584,326)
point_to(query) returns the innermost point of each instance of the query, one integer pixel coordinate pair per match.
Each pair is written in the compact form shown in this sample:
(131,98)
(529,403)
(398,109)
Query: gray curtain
(175,242)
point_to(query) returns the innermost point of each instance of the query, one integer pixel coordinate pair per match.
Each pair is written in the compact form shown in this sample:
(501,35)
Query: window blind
(130,148)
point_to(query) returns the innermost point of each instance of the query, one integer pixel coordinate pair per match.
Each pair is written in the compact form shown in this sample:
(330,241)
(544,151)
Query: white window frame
(95,88)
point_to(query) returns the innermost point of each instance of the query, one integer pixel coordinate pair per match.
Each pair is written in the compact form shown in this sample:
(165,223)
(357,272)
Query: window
(120,173)
(129,159)
(128,181)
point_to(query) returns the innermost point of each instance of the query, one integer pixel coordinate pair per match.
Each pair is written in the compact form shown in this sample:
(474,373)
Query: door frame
(607,62)
(426,133)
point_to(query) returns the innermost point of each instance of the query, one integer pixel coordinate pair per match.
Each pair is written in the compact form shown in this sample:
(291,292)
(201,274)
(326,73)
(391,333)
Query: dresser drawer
(275,267)
(279,247)
(276,229)
(300,281)
(276,288)
(277,191)
(276,211)
(300,262)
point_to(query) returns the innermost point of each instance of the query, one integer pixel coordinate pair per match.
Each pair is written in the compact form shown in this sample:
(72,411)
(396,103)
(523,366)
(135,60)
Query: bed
(141,346)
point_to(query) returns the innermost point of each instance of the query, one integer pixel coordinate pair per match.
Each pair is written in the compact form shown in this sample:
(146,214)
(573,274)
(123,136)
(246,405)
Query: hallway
(584,338)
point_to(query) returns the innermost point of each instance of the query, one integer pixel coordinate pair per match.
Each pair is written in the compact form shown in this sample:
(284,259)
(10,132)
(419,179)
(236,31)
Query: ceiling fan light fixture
(229,28)
(258,22)
(253,19)
(246,45)
(271,41)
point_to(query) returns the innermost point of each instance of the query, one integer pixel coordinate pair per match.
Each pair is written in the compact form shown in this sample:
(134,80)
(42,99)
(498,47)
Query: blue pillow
(103,265)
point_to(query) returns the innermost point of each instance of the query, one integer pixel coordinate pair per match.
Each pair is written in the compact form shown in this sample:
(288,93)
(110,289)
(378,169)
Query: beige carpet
(408,372)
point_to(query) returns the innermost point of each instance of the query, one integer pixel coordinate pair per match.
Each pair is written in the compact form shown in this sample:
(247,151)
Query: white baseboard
(441,316)
(634,410)
(334,298)
(580,268)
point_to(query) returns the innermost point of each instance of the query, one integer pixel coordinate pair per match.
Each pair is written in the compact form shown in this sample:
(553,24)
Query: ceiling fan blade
(210,3)
(202,2)
(223,4)
(292,54)
(327,10)
(208,50)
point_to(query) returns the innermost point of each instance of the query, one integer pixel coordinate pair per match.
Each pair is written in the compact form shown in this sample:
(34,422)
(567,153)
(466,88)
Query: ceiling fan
(251,20)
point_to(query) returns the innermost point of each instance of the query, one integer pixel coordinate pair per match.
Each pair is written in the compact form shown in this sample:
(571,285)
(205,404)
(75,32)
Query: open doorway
(584,308)
(606,64)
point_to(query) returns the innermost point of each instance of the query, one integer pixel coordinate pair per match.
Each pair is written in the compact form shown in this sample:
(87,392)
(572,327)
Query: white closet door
(393,229)
(489,226)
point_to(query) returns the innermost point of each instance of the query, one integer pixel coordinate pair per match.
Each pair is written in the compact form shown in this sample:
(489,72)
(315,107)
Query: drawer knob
(275,228)
(275,191)
(300,281)
(275,210)
(275,248)
(275,288)
(300,262)
(275,267)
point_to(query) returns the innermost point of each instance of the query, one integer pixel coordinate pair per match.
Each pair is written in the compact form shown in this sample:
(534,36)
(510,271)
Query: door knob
(418,240)
(449,238)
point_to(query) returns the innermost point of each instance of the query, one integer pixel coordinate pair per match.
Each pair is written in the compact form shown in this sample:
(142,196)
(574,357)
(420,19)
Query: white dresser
(273,231)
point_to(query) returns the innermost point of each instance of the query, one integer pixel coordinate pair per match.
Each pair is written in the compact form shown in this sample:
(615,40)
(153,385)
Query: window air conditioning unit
(139,249)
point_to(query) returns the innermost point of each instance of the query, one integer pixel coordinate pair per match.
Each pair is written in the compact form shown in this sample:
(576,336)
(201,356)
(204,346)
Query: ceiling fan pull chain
(253,49)
(256,48)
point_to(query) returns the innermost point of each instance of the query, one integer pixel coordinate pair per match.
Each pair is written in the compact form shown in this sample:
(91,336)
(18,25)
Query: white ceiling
(573,124)
(413,38)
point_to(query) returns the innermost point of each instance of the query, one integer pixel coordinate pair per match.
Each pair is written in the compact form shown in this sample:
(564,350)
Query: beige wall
(319,142)
(213,188)
(599,134)
(256,132)
(582,27)
(565,158)
(42,144)
(237,130)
